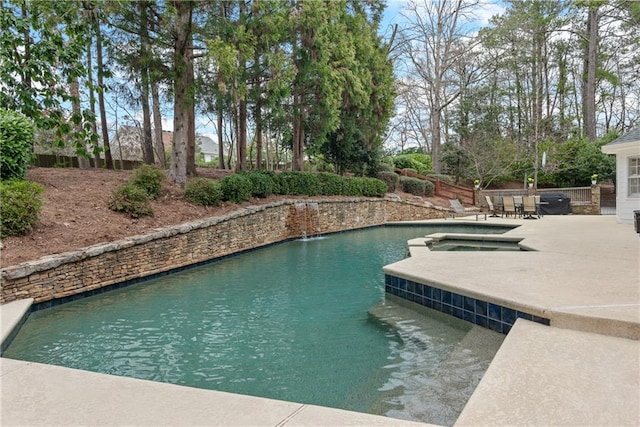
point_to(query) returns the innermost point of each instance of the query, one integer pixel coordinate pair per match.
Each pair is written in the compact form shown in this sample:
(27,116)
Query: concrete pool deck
(582,370)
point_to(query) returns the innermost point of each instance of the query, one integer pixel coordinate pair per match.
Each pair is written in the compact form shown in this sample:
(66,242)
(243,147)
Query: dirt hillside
(75,213)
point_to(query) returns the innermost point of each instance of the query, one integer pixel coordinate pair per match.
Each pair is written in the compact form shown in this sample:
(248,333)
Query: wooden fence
(466,195)
(57,161)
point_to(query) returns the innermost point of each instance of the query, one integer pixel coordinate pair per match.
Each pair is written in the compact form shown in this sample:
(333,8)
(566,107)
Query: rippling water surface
(304,321)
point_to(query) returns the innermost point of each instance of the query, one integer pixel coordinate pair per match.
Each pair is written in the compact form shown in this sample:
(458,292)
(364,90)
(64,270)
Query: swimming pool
(304,321)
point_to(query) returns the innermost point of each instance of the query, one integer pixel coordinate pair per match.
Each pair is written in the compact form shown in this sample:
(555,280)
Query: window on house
(634,176)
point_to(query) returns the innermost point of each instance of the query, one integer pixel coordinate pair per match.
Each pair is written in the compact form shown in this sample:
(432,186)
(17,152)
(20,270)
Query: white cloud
(487,9)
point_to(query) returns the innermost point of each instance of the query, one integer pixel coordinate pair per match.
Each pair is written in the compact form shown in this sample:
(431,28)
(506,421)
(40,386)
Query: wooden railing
(578,195)
(444,189)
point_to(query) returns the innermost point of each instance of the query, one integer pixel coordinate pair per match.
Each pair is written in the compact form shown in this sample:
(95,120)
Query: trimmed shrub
(406,162)
(203,192)
(331,184)
(420,162)
(391,179)
(235,188)
(353,187)
(424,160)
(429,188)
(149,178)
(385,167)
(262,183)
(20,204)
(413,186)
(373,187)
(410,170)
(16,141)
(299,183)
(131,199)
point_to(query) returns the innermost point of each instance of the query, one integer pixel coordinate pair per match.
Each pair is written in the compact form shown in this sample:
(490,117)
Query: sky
(393,15)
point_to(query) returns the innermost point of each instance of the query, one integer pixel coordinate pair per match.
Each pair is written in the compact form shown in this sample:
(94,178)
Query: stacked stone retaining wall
(95,267)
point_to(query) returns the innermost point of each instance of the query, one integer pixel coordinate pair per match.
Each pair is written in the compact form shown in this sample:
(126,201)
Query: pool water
(303,321)
(474,245)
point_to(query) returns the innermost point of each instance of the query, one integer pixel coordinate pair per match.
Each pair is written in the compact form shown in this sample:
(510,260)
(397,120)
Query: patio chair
(508,207)
(529,207)
(538,210)
(517,202)
(490,205)
(458,209)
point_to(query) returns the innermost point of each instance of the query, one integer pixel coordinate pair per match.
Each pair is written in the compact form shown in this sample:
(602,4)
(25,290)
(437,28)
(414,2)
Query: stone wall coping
(49,262)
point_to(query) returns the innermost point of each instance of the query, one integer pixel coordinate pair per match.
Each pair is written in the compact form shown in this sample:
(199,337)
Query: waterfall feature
(308,219)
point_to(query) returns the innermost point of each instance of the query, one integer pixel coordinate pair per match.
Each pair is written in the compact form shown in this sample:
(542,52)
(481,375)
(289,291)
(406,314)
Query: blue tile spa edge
(473,310)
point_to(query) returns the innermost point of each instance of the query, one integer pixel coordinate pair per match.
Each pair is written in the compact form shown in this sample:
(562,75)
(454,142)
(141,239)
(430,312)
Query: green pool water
(304,321)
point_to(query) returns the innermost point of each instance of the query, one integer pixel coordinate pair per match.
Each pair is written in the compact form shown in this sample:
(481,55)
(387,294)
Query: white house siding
(625,147)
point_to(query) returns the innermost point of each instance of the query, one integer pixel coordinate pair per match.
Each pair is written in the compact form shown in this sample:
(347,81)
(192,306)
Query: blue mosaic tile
(541,320)
(495,325)
(469,316)
(457,300)
(469,304)
(428,291)
(482,313)
(523,315)
(411,287)
(481,307)
(482,321)
(508,315)
(446,297)
(494,311)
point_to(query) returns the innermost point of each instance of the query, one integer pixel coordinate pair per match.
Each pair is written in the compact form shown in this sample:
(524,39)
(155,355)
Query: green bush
(149,178)
(424,160)
(131,199)
(391,179)
(262,183)
(235,188)
(373,187)
(413,186)
(406,162)
(429,188)
(20,204)
(385,167)
(203,192)
(353,187)
(16,142)
(331,184)
(299,183)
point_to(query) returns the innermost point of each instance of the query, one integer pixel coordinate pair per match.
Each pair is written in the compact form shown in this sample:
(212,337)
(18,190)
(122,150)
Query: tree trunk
(74,91)
(147,143)
(182,92)
(221,164)
(241,104)
(589,76)
(108,160)
(157,125)
(242,135)
(92,98)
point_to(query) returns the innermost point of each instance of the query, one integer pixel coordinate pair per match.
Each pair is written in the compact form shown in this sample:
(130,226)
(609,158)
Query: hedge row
(242,186)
